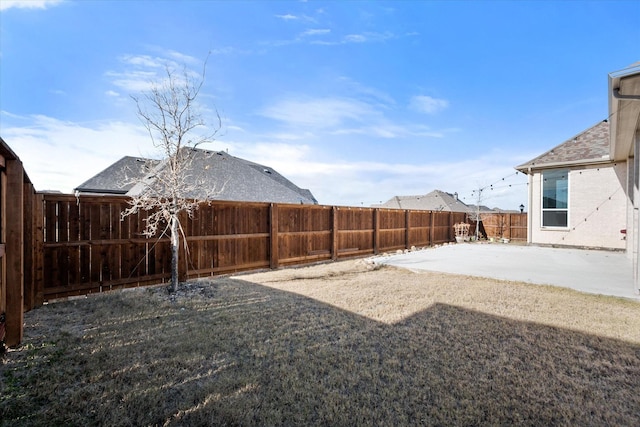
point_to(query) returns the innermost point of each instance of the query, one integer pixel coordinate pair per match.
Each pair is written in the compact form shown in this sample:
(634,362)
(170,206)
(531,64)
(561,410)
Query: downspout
(529,215)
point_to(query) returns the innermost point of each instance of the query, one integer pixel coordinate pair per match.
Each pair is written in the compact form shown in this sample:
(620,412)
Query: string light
(493,186)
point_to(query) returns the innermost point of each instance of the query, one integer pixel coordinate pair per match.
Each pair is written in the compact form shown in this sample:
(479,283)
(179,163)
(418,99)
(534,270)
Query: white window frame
(543,209)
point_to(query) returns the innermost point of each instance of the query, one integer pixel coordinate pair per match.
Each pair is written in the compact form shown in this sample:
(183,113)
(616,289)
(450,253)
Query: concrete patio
(592,271)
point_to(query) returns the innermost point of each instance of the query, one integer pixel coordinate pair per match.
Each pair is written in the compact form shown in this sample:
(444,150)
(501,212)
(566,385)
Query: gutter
(94,191)
(526,168)
(529,215)
(617,95)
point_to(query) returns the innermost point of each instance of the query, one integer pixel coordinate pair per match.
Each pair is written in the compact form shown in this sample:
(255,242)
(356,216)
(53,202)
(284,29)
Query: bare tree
(170,113)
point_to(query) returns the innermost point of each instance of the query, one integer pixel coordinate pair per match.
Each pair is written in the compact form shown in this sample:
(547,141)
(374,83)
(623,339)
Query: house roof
(212,175)
(589,146)
(120,177)
(434,201)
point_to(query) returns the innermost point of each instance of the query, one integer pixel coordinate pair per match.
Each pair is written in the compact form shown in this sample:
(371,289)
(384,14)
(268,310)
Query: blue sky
(357,101)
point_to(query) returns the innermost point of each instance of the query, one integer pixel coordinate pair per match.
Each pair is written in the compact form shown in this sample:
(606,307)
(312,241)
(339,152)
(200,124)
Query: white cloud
(143,61)
(348,183)
(288,17)
(132,80)
(318,113)
(345,116)
(140,72)
(380,98)
(182,58)
(28,4)
(59,155)
(315,32)
(112,93)
(366,37)
(427,104)
(355,38)
(343,182)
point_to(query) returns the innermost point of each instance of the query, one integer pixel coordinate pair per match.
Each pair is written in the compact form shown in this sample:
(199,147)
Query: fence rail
(87,247)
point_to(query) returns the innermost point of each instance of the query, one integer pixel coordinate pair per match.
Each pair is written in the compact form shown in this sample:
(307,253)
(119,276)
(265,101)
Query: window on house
(555,198)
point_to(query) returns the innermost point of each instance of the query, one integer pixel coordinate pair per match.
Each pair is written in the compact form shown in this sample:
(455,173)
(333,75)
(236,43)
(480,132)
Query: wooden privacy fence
(17,197)
(86,247)
(511,226)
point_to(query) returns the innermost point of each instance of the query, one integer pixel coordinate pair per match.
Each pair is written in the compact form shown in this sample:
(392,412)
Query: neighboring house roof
(588,147)
(120,177)
(213,175)
(435,201)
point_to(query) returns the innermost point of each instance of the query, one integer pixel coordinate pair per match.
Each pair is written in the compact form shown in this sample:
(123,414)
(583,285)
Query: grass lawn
(334,344)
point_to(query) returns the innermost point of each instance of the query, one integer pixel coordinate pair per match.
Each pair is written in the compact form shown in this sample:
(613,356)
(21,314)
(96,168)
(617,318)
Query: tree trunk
(175,243)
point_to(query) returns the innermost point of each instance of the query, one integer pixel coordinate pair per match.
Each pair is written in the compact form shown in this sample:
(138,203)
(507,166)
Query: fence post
(449,238)
(274,255)
(334,233)
(376,231)
(38,248)
(14,252)
(183,262)
(509,225)
(407,237)
(431,227)
(29,242)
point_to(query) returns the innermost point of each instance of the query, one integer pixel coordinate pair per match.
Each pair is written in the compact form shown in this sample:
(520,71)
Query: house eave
(624,110)
(528,168)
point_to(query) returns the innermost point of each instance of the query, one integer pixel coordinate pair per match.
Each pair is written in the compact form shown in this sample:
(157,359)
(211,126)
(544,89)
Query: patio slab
(592,271)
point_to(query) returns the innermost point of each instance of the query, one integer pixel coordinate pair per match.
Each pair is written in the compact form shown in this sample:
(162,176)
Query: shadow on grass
(243,354)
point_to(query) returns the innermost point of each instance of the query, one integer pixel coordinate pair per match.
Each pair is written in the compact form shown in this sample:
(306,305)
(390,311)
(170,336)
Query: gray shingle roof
(434,201)
(590,146)
(119,177)
(215,176)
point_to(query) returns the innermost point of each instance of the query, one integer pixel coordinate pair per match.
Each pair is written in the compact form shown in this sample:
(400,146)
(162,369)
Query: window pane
(554,218)
(555,190)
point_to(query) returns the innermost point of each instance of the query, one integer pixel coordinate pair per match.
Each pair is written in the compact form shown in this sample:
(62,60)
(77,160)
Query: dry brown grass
(335,344)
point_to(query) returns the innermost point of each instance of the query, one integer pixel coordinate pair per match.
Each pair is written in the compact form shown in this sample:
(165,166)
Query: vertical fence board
(28,247)
(37,265)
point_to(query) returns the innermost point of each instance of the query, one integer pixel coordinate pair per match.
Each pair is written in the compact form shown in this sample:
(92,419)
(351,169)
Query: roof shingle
(213,175)
(592,145)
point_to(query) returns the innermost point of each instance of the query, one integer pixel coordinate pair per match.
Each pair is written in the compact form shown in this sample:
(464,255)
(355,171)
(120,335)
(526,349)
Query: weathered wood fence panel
(392,224)
(87,247)
(226,237)
(302,233)
(420,226)
(511,226)
(355,232)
